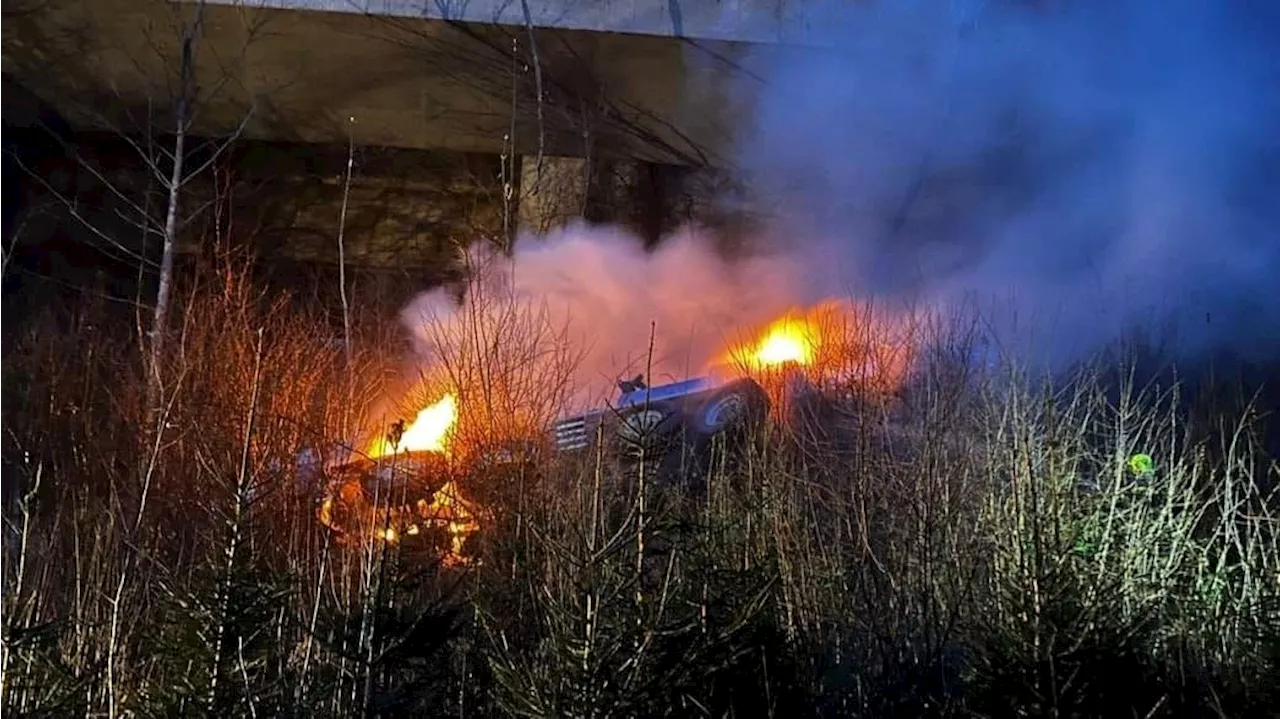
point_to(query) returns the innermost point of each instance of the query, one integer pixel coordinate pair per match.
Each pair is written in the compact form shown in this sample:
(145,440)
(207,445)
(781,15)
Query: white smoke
(606,293)
(1082,170)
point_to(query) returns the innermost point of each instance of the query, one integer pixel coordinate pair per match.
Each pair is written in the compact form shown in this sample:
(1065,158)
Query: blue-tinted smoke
(1083,170)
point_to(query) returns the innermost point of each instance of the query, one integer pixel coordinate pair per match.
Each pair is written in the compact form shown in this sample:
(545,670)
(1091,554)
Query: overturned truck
(659,420)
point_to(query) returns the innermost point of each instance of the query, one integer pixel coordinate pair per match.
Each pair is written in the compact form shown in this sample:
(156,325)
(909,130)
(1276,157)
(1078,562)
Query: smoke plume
(598,292)
(1083,170)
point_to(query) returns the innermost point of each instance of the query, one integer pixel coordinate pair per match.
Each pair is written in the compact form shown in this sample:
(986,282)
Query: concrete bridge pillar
(552,192)
(622,191)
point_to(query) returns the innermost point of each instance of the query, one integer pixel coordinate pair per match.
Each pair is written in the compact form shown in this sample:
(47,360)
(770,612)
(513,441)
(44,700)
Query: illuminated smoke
(606,292)
(1084,169)
(1080,170)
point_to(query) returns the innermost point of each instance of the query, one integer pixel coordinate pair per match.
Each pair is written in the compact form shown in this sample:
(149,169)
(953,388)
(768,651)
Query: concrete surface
(311,76)
(552,192)
(755,21)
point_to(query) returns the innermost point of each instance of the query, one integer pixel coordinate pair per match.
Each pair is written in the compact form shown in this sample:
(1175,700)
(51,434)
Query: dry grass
(973,547)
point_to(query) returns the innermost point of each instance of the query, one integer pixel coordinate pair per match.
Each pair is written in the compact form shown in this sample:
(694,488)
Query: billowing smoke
(597,291)
(1079,170)
(1084,170)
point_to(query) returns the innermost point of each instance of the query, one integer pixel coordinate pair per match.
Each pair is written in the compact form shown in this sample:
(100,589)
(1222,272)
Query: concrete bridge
(607,98)
(752,21)
(644,79)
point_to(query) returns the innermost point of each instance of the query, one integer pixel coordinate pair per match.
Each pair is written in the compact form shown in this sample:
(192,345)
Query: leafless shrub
(972,540)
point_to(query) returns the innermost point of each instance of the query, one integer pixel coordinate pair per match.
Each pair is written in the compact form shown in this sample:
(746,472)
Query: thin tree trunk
(160,318)
(155,400)
(342,250)
(164,292)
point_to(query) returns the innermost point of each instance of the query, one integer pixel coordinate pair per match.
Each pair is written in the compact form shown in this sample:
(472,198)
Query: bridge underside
(322,77)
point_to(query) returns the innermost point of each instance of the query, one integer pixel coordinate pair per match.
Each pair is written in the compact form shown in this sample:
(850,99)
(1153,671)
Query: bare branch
(75,213)
(537,74)
(222,147)
(342,256)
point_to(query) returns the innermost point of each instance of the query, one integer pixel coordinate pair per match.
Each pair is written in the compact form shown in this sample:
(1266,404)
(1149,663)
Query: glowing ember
(448,508)
(428,433)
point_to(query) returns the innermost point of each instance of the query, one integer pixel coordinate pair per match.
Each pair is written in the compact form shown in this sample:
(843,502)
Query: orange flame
(793,339)
(832,343)
(786,340)
(448,509)
(429,432)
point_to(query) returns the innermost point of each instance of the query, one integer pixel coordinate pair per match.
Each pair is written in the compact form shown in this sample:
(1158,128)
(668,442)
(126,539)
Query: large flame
(429,431)
(830,343)
(786,340)
(793,339)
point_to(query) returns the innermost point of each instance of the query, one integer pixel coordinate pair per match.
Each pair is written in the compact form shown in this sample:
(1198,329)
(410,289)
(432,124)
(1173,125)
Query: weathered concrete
(614,114)
(755,21)
(301,76)
(553,191)
(405,209)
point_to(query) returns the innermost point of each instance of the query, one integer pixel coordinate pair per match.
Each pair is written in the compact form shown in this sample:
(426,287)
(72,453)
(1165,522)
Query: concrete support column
(631,193)
(551,194)
(651,200)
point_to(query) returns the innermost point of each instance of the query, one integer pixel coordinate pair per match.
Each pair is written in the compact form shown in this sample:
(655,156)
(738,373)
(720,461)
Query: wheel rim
(639,426)
(724,412)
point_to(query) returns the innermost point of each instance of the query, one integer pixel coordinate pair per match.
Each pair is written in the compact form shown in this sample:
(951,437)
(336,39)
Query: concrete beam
(410,83)
(755,21)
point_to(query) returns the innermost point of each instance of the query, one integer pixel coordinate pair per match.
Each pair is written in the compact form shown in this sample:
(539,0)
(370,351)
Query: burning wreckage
(393,500)
(406,490)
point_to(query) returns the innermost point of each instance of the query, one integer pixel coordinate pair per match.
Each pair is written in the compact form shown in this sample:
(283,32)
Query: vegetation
(978,547)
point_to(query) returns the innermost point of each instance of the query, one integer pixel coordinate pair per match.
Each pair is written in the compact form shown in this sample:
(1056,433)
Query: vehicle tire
(735,405)
(649,429)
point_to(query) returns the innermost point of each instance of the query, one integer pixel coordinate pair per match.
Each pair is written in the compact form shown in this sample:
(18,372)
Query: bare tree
(182,109)
(171,159)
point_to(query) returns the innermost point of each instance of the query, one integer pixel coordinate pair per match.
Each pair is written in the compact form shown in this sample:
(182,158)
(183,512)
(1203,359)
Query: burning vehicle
(770,376)
(407,488)
(397,501)
(657,419)
(392,501)
(408,492)
(404,490)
